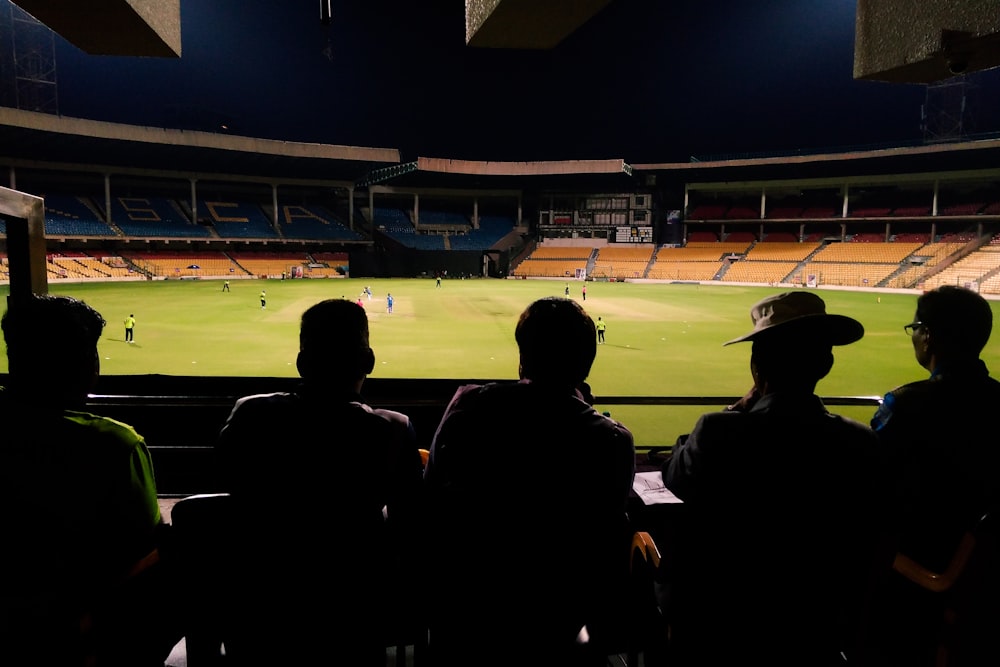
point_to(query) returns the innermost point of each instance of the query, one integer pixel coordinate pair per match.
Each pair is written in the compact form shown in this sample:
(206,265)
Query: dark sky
(645,80)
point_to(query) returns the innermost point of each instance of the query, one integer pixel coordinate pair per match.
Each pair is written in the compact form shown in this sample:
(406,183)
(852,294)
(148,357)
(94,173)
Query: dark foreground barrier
(180,416)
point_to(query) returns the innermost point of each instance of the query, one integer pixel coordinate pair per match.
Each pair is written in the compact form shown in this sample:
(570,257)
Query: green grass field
(662,340)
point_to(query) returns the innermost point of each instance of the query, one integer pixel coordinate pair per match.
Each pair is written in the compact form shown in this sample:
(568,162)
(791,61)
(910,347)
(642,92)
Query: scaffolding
(28,76)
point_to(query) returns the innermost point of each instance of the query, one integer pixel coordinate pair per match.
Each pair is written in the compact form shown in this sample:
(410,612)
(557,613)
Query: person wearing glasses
(946,469)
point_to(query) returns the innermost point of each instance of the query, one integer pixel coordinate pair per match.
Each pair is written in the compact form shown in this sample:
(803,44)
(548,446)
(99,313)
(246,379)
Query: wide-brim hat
(804,313)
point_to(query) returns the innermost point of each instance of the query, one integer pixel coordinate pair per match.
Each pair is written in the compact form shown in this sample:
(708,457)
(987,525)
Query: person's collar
(799,400)
(959,367)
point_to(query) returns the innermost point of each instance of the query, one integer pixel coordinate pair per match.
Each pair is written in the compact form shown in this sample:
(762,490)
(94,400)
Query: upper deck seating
(780,237)
(870,212)
(912,211)
(314,222)
(152,217)
(447,219)
(962,208)
(708,212)
(395,223)
(784,212)
(66,215)
(742,212)
(491,229)
(816,212)
(237,219)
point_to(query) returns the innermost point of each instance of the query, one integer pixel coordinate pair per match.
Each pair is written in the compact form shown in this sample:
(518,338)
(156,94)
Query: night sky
(644,80)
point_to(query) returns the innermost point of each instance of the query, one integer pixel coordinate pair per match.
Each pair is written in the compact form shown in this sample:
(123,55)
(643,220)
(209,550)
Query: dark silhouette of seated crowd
(331,538)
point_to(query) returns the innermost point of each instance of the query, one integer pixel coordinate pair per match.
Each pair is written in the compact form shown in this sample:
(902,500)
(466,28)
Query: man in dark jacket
(527,485)
(330,490)
(946,466)
(779,496)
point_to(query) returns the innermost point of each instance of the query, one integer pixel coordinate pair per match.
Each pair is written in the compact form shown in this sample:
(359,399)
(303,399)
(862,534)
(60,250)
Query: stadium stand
(270,264)
(708,212)
(667,269)
(182,263)
(769,272)
(315,223)
(67,215)
(847,274)
(621,262)
(396,224)
(491,229)
(743,211)
(973,269)
(153,217)
(237,219)
(781,251)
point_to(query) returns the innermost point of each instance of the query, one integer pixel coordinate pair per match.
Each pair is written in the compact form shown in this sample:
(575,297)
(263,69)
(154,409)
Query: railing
(181,426)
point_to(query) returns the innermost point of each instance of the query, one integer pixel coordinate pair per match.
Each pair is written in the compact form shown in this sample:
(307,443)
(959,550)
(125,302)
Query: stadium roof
(47,142)
(33,139)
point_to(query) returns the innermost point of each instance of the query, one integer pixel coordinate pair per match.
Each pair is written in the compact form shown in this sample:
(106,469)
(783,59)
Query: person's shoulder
(105,430)
(485,391)
(913,393)
(260,400)
(394,417)
(854,428)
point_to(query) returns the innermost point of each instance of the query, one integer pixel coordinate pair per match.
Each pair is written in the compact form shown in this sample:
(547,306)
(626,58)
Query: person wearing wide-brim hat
(781,502)
(800,313)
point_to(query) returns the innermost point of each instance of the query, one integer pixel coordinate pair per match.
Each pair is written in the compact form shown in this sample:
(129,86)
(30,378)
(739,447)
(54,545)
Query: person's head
(333,344)
(793,338)
(951,322)
(52,346)
(557,342)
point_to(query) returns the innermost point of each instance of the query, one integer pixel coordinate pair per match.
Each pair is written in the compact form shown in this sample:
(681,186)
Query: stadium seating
(758,271)
(784,212)
(491,229)
(273,264)
(153,217)
(183,263)
(237,219)
(66,215)
(313,222)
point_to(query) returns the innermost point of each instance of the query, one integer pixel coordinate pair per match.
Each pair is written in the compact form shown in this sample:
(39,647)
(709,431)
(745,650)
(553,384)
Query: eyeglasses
(911,327)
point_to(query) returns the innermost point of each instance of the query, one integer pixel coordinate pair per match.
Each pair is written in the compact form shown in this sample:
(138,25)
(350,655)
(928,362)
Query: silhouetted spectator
(781,506)
(946,462)
(78,500)
(528,485)
(331,487)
